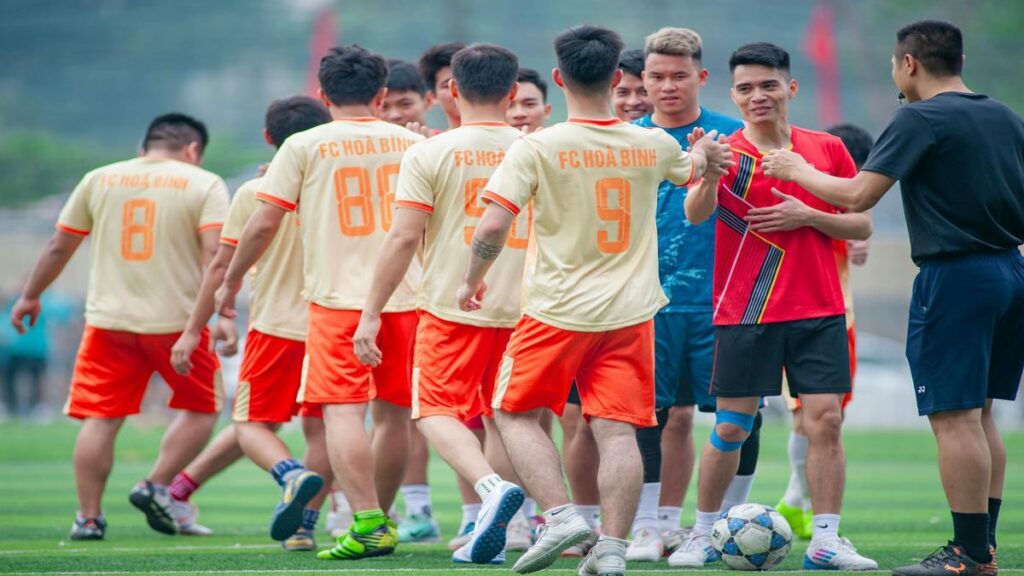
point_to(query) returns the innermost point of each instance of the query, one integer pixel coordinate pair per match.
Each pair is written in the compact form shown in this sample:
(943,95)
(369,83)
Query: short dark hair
(174,131)
(856,139)
(530,76)
(632,62)
(403,77)
(588,56)
(288,116)
(484,73)
(760,54)
(435,58)
(352,75)
(938,45)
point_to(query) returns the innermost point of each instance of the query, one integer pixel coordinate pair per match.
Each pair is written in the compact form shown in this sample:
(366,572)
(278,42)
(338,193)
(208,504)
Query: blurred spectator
(24,358)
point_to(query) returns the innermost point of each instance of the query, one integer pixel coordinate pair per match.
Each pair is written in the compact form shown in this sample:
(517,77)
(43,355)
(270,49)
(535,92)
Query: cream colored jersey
(445,176)
(144,216)
(276,306)
(594,188)
(341,177)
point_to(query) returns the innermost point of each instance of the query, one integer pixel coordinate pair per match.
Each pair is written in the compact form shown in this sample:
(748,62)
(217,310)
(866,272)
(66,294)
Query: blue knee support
(745,421)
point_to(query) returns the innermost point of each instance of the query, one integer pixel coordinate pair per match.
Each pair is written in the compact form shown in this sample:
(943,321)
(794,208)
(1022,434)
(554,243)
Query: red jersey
(762,278)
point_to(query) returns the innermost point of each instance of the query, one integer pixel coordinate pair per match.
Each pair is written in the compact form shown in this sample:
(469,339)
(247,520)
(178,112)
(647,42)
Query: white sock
(559,514)
(738,492)
(417,499)
(796,491)
(591,513)
(826,527)
(529,507)
(341,504)
(486,485)
(647,509)
(469,514)
(705,520)
(668,517)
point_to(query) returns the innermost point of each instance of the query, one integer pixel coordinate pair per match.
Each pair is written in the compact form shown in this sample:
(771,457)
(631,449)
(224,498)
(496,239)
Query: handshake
(716,152)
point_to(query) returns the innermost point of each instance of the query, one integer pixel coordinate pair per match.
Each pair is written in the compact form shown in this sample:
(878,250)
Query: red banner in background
(820,48)
(325,37)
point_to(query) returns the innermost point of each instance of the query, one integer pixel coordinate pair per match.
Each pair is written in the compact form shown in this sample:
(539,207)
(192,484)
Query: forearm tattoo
(484,250)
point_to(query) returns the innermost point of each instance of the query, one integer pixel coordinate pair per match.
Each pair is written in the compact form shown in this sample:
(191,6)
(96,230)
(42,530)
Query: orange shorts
(454,368)
(269,380)
(113,369)
(334,374)
(614,371)
(851,338)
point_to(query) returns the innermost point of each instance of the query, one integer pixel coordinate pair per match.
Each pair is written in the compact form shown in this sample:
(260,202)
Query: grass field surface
(894,511)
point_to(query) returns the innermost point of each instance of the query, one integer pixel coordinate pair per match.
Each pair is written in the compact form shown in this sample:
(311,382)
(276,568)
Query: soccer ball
(752,537)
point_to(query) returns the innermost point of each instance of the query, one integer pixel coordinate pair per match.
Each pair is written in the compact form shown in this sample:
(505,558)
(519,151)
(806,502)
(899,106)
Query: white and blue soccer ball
(752,537)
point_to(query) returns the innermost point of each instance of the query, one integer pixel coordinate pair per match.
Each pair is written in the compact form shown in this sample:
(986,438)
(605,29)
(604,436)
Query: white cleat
(602,561)
(583,548)
(694,553)
(646,546)
(673,539)
(520,534)
(185,514)
(564,530)
(836,554)
(462,556)
(496,512)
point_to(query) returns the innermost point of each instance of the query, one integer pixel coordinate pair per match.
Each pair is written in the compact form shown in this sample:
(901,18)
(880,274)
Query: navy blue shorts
(965,338)
(684,345)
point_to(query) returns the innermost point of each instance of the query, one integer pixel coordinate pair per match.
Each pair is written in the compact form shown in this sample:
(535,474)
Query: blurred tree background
(81,78)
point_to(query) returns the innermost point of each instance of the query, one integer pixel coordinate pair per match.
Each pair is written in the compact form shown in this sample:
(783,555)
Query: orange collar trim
(595,122)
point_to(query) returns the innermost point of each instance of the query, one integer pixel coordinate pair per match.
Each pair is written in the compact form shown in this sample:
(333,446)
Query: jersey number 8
(137,218)
(355,211)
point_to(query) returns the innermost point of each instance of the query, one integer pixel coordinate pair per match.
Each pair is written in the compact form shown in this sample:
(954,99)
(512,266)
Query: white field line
(400,570)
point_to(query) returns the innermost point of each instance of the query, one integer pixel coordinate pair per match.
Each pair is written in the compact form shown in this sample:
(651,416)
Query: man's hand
(30,307)
(225,300)
(857,250)
(418,128)
(224,337)
(783,164)
(470,297)
(789,214)
(181,352)
(714,148)
(365,341)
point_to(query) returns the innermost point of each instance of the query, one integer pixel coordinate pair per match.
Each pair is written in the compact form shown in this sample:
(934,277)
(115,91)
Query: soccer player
(965,340)
(340,177)
(591,295)
(271,372)
(155,221)
(530,109)
(457,353)
(630,99)
(683,331)
(407,100)
(795,505)
(435,67)
(777,304)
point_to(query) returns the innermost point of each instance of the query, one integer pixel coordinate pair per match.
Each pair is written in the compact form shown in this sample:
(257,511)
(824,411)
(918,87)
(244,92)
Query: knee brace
(751,449)
(649,441)
(744,421)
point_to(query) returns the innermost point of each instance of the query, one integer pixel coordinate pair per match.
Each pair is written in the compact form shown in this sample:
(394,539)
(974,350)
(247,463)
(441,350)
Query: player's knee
(731,433)
(731,430)
(827,424)
(680,420)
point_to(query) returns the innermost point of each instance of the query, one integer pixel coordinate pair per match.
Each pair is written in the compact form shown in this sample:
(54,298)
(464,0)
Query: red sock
(182,487)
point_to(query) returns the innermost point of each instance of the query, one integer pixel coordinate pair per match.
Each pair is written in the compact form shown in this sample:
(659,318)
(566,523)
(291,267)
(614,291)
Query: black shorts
(965,341)
(749,360)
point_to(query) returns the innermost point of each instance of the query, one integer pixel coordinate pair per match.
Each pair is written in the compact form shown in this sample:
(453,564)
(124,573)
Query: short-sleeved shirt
(959,158)
(593,184)
(762,278)
(144,216)
(686,255)
(445,176)
(276,306)
(341,178)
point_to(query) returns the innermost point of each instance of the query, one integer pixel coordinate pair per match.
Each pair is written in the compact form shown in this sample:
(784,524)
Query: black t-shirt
(959,158)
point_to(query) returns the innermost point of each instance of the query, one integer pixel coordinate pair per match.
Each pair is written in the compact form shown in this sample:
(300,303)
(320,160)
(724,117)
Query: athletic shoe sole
(490,541)
(288,519)
(156,517)
(550,556)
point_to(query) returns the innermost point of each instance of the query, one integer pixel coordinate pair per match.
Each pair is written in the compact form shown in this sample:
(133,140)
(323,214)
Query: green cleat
(419,528)
(355,546)
(801,521)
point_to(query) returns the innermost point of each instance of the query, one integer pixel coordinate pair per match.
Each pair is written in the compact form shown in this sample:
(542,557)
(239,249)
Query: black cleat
(950,560)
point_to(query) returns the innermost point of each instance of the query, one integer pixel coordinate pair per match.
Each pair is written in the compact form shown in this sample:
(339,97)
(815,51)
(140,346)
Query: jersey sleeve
(415,184)
(242,207)
(679,170)
(75,217)
(902,144)
(283,181)
(843,166)
(515,180)
(215,206)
